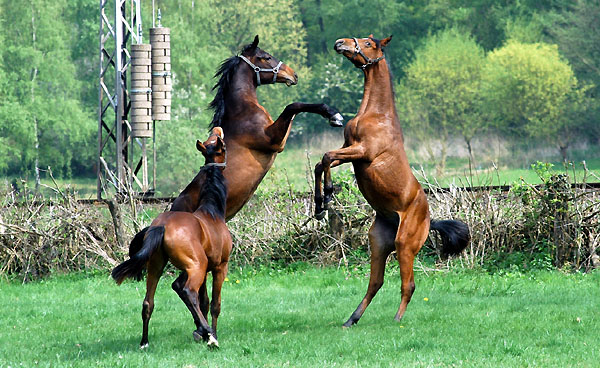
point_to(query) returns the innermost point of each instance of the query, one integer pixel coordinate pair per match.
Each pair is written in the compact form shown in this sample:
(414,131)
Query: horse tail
(455,235)
(137,242)
(133,267)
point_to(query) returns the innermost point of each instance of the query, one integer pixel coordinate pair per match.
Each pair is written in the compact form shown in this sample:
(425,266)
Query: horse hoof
(321,215)
(212,342)
(143,346)
(336,120)
(197,336)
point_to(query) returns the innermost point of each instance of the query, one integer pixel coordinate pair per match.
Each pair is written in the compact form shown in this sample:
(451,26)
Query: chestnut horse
(373,142)
(195,243)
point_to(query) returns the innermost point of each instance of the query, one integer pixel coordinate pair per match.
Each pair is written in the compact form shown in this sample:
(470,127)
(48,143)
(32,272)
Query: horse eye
(368,44)
(267,58)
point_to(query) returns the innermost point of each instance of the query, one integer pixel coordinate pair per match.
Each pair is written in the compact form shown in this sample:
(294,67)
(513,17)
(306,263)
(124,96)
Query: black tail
(137,242)
(455,236)
(133,266)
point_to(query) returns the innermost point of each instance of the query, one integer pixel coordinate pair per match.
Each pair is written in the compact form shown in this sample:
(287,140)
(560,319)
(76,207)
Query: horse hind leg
(196,278)
(155,268)
(215,307)
(178,286)
(381,239)
(408,243)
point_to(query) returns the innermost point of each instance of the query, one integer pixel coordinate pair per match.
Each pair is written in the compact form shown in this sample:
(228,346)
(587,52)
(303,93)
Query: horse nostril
(296,76)
(338,45)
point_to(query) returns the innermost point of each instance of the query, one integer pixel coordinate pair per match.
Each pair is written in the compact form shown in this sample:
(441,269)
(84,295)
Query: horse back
(190,240)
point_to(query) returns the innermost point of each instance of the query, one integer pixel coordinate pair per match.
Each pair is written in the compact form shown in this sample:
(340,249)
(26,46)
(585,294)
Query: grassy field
(292,318)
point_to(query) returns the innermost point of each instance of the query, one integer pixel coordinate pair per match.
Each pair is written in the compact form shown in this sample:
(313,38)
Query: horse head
(362,52)
(268,69)
(213,149)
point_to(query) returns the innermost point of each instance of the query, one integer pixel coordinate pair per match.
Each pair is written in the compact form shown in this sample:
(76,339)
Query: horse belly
(245,170)
(381,186)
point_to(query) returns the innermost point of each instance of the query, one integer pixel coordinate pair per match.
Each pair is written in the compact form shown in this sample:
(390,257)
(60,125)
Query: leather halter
(257,69)
(358,51)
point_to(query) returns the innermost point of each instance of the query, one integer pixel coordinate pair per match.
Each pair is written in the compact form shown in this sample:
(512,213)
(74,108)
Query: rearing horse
(253,139)
(374,143)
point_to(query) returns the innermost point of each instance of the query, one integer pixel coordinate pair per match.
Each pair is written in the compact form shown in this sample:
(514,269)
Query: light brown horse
(195,243)
(374,143)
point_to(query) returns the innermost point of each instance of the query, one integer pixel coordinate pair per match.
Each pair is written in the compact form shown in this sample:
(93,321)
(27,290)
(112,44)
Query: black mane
(225,75)
(213,192)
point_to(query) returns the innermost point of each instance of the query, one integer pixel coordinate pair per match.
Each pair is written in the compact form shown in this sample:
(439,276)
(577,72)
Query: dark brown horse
(195,243)
(373,142)
(253,139)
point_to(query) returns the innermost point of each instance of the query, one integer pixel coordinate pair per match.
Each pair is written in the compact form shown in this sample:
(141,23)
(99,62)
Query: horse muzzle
(339,46)
(290,79)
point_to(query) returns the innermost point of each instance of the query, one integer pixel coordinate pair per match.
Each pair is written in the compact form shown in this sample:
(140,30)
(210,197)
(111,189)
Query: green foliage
(443,84)
(48,85)
(43,105)
(526,87)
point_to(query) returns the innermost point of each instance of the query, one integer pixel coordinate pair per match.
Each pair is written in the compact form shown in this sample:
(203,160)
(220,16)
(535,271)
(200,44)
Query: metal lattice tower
(122,164)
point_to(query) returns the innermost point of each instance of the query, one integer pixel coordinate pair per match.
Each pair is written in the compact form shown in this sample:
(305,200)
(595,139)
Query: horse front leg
(279,131)
(330,160)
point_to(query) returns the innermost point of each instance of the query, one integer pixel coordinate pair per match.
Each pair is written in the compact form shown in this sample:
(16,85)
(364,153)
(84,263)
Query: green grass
(293,318)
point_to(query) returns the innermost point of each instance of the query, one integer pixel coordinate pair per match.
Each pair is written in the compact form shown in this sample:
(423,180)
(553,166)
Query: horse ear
(255,42)
(386,41)
(218,131)
(220,143)
(371,35)
(200,147)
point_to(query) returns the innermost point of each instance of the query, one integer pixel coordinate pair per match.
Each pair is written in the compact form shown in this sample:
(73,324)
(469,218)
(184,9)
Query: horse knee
(408,289)
(147,308)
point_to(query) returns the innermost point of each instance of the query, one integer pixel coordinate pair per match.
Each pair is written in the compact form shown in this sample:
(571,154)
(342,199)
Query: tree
(44,116)
(442,85)
(528,89)
(577,33)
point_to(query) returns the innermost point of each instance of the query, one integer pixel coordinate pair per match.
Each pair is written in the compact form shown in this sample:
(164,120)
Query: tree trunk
(441,166)
(563,151)
(470,148)
(35,120)
(115,213)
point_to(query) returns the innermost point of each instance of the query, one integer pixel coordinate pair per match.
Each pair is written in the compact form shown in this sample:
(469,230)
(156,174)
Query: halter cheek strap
(257,69)
(358,51)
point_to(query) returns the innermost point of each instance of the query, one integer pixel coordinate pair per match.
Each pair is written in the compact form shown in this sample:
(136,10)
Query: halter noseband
(358,51)
(257,69)
(218,164)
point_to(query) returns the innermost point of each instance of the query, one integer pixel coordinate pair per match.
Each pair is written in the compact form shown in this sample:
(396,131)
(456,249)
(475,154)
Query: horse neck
(378,95)
(188,199)
(212,192)
(241,92)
